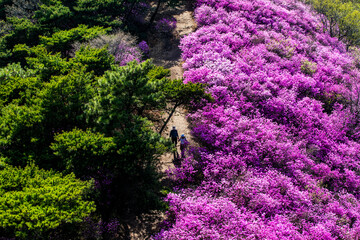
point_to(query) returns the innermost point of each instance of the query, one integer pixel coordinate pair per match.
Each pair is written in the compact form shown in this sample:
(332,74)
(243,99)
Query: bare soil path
(165,52)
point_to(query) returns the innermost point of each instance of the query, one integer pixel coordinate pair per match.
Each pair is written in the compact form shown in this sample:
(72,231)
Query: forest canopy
(79,139)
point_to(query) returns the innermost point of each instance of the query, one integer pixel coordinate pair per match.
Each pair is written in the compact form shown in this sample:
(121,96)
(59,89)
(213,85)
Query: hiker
(183,144)
(174,135)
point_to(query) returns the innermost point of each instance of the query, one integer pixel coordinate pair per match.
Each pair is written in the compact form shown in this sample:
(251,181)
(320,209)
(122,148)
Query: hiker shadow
(177,159)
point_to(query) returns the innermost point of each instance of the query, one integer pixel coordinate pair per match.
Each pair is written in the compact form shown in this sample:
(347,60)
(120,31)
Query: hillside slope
(280,155)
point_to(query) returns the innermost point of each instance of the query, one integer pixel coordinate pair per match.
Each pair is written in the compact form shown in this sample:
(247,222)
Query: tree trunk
(154,14)
(168,119)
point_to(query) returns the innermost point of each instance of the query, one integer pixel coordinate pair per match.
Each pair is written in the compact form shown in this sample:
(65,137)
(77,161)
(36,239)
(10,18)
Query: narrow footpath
(165,52)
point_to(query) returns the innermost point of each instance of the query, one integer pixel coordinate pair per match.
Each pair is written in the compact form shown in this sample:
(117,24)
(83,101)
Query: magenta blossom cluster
(165,25)
(144,47)
(126,53)
(280,156)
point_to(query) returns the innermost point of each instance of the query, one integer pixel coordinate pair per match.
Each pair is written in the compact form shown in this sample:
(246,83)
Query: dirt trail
(165,52)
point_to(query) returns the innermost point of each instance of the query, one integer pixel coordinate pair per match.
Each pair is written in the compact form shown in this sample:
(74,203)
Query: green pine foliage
(96,60)
(67,107)
(84,152)
(20,31)
(53,14)
(17,85)
(17,133)
(101,12)
(33,201)
(45,63)
(61,41)
(179,93)
(123,93)
(186,95)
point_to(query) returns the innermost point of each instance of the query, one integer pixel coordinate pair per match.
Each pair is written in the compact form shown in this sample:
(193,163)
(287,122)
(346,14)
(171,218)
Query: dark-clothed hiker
(174,135)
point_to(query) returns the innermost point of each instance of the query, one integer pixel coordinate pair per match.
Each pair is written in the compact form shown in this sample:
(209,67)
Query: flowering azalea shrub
(144,47)
(165,25)
(121,45)
(280,156)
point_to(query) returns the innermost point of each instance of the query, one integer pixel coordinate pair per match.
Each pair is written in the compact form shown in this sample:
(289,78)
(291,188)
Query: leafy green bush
(124,93)
(355,53)
(94,59)
(53,14)
(17,85)
(100,12)
(308,67)
(84,152)
(283,48)
(34,201)
(45,63)
(20,31)
(62,41)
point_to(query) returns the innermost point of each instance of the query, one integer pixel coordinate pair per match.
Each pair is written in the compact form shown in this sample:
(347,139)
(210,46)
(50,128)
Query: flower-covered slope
(280,156)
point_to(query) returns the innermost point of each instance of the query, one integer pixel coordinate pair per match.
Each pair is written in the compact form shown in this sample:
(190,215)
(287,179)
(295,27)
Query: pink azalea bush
(165,25)
(280,156)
